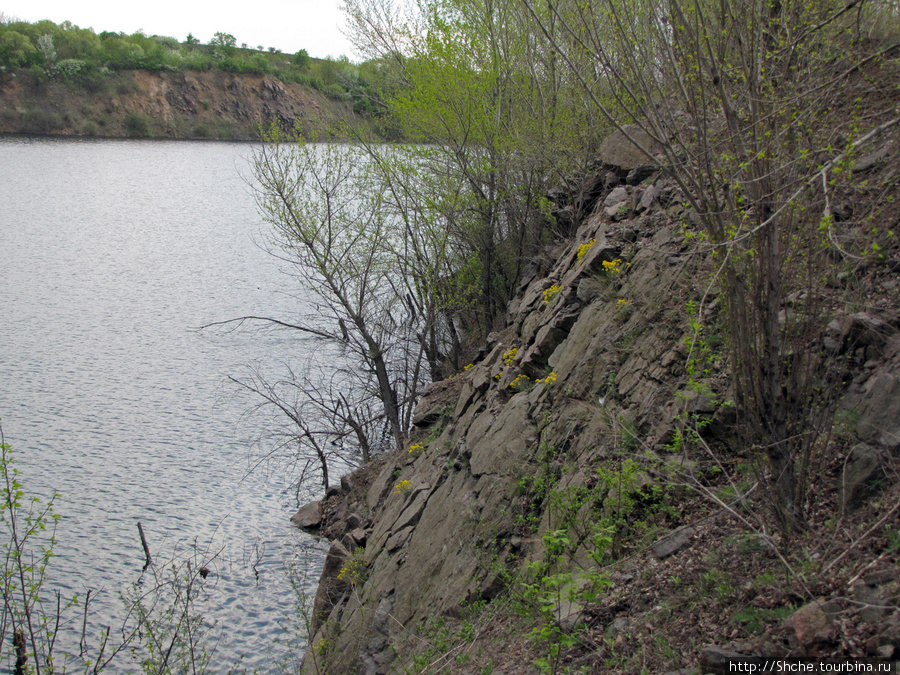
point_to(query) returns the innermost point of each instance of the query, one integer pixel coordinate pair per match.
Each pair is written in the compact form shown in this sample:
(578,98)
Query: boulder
(331,589)
(677,541)
(864,474)
(309,517)
(879,409)
(620,153)
(616,197)
(715,660)
(812,627)
(878,593)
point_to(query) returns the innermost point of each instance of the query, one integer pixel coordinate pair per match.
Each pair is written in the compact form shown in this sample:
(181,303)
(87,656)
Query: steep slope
(558,461)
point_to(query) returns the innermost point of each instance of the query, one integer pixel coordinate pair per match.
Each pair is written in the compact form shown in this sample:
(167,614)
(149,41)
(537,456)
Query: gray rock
(864,474)
(879,595)
(309,517)
(618,212)
(569,614)
(715,660)
(648,199)
(879,409)
(358,536)
(346,483)
(677,541)
(589,289)
(616,197)
(618,626)
(640,173)
(398,539)
(330,588)
(620,152)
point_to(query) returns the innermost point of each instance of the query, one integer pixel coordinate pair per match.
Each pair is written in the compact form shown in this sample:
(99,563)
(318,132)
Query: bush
(137,125)
(71,69)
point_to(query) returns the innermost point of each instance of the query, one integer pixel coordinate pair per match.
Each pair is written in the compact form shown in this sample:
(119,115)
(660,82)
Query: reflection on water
(113,253)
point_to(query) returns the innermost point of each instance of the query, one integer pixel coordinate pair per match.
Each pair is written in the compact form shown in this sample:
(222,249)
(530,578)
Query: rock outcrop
(590,369)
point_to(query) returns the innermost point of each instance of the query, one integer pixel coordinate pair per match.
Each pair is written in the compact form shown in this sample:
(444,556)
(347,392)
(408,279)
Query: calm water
(112,253)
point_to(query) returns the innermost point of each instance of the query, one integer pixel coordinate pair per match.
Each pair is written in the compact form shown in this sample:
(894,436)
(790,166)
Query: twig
(87,601)
(146,547)
(868,532)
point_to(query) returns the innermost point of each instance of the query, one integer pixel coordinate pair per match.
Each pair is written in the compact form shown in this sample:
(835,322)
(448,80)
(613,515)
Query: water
(112,254)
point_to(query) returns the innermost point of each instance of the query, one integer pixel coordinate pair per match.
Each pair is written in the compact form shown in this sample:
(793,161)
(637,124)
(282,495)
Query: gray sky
(289,25)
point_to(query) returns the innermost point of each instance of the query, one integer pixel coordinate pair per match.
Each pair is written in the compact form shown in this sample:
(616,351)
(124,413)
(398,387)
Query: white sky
(289,25)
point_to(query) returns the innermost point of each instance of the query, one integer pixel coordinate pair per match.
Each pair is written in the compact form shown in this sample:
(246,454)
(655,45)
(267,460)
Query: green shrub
(137,125)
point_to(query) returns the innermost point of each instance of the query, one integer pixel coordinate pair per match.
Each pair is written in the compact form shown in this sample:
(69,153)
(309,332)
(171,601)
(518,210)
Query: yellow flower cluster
(416,448)
(551,293)
(550,379)
(621,302)
(584,248)
(510,356)
(322,646)
(614,266)
(353,571)
(520,382)
(471,365)
(403,487)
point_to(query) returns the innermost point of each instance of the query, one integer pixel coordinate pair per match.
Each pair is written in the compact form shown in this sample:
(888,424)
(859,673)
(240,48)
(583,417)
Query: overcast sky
(289,25)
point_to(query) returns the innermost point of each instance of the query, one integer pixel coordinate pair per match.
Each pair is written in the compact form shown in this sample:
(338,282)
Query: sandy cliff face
(166,105)
(589,371)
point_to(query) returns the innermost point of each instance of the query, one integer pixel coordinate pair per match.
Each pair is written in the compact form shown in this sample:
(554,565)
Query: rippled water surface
(112,253)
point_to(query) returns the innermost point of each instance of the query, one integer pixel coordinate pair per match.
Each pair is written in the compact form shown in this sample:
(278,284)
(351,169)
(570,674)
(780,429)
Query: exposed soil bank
(178,105)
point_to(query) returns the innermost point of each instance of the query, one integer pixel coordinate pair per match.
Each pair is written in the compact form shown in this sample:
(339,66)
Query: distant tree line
(45,50)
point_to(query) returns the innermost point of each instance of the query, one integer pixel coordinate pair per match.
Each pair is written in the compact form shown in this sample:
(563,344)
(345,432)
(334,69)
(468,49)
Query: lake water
(112,254)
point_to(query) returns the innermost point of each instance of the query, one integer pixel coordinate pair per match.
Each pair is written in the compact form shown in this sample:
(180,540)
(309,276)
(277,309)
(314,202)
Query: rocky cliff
(560,449)
(188,105)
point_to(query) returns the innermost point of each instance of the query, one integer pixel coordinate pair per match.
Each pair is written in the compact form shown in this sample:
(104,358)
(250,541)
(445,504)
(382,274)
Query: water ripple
(114,252)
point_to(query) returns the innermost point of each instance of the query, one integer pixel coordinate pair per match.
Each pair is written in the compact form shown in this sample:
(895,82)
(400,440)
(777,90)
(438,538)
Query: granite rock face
(604,354)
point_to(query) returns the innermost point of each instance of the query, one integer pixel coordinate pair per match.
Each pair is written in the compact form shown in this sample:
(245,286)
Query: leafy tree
(301,59)
(73,42)
(16,50)
(224,40)
(477,87)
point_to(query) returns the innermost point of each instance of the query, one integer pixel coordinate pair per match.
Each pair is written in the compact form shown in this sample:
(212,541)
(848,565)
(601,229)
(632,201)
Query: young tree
(731,95)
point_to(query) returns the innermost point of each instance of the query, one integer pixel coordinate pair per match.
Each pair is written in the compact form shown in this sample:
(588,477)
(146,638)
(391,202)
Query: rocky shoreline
(588,373)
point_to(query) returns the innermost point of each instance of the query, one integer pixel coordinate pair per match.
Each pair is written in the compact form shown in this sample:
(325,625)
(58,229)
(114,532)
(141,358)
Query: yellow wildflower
(551,293)
(403,487)
(584,248)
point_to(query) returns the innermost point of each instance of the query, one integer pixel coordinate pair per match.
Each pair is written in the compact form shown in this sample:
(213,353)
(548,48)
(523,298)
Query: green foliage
(16,50)
(137,125)
(302,59)
(27,549)
(79,55)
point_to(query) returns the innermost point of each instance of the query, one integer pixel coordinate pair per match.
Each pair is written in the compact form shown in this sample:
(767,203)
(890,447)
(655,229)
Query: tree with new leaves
(732,95)
(358,227)
(479,90)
